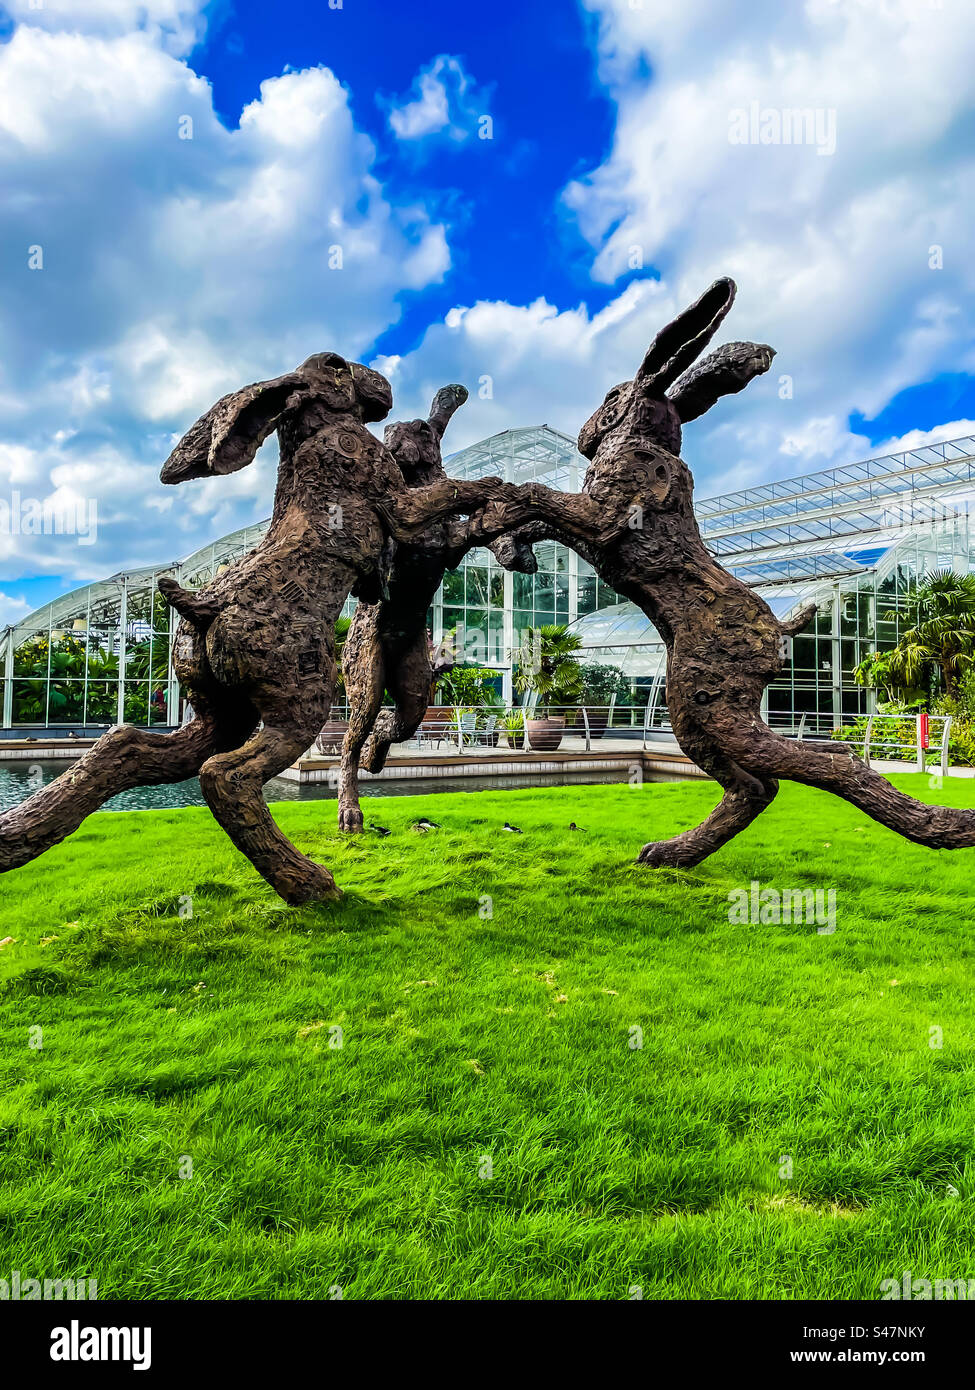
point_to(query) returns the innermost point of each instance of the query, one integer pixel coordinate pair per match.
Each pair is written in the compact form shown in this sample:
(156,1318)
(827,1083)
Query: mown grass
(486,1129)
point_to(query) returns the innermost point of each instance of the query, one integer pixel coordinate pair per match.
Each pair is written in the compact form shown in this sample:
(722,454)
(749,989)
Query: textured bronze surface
(388,648)
(254,650)
(255,647)
(634,522)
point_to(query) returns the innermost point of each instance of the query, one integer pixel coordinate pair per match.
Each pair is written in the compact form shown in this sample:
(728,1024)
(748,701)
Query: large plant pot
(438,718)
(545,735)
(598,720)
(331,736)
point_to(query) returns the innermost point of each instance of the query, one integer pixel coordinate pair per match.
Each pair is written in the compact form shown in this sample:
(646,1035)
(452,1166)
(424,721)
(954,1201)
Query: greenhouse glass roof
(537,454)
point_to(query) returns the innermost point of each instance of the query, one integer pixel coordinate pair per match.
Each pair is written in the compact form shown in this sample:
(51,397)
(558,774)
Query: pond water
(20,780)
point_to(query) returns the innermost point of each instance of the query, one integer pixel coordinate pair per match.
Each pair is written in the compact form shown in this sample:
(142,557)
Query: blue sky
(535,75)
(540,261)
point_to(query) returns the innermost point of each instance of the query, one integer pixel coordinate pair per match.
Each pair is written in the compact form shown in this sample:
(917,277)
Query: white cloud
(12,609)
(174,269)
(832,254)
(176,24)
(821,444)
(443,104)
(529,364)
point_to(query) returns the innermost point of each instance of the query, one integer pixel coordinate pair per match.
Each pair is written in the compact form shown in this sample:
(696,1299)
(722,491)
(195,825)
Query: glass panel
(545,591)
(524,590)
(137,702)
(30,658)
(453,587)
(158,712)
(545,555)
(804,654)
(102,702)
(586,598)
(30,702)
(477,585)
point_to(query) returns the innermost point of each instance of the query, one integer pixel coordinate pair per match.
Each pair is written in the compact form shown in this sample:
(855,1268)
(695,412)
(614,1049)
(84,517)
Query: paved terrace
(617,757)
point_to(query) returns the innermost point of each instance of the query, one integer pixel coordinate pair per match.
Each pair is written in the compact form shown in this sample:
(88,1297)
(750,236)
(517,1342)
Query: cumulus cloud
(854,264)
(13,608)
(176,24)
(157,259)
(443,103)
(536,364)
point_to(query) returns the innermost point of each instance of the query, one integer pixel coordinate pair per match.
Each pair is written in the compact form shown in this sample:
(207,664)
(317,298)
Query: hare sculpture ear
(447,400)
(723,372)
(684,339)
(228,436)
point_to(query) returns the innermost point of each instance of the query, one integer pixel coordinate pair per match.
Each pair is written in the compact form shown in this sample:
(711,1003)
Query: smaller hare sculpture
(388,647)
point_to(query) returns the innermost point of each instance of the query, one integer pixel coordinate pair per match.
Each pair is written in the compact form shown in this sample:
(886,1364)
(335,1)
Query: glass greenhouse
(850,539)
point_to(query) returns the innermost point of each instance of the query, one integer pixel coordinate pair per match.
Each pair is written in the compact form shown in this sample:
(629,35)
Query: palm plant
(941,609)
(548,666)
(874,671)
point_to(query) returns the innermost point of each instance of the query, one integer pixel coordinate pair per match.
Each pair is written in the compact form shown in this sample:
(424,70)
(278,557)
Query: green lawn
(486,1129)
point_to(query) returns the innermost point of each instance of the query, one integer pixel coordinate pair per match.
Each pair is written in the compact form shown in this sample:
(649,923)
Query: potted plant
(548,668)
(457,687)
(600,683)
(332,733)
(513,727)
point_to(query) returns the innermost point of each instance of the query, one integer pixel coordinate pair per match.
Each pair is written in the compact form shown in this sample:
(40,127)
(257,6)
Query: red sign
(924,728)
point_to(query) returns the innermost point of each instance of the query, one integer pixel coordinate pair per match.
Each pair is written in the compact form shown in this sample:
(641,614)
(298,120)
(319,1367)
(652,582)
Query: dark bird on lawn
(573,826)
(423,825)
(379,829)
(513,828)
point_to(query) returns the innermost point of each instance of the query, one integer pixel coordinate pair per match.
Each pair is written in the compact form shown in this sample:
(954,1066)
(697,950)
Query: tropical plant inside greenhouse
(932,666)
(940,640)
(469,685)
(49,681)
(876,673)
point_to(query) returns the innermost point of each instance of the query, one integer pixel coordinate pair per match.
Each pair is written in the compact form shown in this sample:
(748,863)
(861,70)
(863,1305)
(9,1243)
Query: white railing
(465,728)
(575,728)
(880,738)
